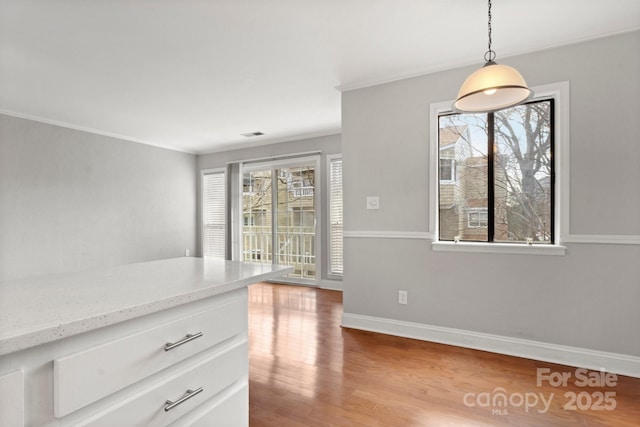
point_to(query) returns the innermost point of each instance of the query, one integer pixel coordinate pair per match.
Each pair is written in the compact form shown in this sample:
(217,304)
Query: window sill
(498,248)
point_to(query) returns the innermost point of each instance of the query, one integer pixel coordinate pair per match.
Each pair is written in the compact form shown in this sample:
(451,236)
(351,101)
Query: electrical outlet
(373,202)
(402,297)
(186,252)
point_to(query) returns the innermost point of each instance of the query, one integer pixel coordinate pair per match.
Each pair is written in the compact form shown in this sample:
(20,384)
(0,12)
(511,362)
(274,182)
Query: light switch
(373,202)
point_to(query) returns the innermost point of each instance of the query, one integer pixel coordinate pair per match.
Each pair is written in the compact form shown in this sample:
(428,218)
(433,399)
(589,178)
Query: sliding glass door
(279,216)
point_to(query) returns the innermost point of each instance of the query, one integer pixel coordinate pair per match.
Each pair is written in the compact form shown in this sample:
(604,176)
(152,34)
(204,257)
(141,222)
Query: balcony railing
(302,192)
(295,246)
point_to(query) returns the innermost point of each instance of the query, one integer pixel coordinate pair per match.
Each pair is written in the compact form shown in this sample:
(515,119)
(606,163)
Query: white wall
(326,145)
(587,298)
(72,200)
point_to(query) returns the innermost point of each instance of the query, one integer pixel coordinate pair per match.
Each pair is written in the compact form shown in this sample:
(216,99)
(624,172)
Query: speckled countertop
(42,309)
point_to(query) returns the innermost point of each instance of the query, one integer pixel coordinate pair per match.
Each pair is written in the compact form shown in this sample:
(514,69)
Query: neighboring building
(463,189)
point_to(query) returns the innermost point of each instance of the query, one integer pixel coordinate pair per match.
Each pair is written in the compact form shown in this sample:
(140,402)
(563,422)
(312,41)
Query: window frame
(559,92)
(304,159)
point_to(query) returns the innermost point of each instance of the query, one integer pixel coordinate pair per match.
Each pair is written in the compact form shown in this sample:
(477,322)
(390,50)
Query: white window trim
(560,93)
(331,275)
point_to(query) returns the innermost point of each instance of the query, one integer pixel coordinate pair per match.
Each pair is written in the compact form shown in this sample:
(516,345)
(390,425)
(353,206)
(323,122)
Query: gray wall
(330,144)
(72,200)
(588,298)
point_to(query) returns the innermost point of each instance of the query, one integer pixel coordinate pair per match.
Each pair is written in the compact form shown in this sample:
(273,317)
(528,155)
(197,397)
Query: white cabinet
(124,375)
(223,411)
(111,347)
(179,394)
(89,375)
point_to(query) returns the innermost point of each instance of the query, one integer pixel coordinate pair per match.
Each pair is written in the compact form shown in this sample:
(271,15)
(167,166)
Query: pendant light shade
(492,87)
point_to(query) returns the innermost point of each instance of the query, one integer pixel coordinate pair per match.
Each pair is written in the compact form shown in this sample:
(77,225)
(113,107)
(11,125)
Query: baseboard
(332,285)
(553,353)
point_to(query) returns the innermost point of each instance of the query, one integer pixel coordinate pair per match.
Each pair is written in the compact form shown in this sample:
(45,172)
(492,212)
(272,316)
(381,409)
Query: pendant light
(493,87)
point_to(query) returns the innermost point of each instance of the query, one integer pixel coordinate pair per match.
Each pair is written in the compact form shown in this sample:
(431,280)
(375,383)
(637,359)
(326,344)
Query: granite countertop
(37,310)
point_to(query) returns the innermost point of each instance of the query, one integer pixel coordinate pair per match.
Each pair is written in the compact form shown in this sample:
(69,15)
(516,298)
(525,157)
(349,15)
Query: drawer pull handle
(169,405)
(190,337)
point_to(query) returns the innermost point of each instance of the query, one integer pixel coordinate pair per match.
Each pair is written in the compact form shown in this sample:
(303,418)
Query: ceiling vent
(252,134)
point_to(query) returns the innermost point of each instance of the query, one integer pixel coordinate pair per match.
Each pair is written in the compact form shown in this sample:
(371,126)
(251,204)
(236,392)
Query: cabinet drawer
(87,376)
(147,408)
(12,399)
(231,410)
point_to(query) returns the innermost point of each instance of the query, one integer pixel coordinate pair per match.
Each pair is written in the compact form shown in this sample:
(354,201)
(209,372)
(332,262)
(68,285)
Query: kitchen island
(155,343)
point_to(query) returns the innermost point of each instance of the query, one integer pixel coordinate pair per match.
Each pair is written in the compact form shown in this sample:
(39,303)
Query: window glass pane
(463,176)
(295,216)
(522,168)
(256,210)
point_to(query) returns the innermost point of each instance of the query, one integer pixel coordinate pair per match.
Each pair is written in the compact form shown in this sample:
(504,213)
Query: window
(335,215)
(447,170)
(477,218)
(256,218)
(503,169)
(213,214)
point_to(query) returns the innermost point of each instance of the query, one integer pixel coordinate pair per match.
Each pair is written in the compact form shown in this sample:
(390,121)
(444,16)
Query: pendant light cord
(490,55)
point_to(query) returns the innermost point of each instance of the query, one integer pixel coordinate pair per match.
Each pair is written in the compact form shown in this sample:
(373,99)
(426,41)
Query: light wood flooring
(305,370)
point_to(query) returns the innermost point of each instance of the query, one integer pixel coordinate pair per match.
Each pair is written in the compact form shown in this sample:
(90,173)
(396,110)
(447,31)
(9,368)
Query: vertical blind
(213,214)
(335,216)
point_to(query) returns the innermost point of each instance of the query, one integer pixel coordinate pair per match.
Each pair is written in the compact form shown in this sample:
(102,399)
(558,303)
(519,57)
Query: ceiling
(194,75)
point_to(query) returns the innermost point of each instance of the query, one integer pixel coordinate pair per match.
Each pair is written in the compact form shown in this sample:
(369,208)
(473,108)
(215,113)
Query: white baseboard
(332,285)
(573,356)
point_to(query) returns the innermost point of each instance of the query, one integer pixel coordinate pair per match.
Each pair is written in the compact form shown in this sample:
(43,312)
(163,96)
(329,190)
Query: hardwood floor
(305,370)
